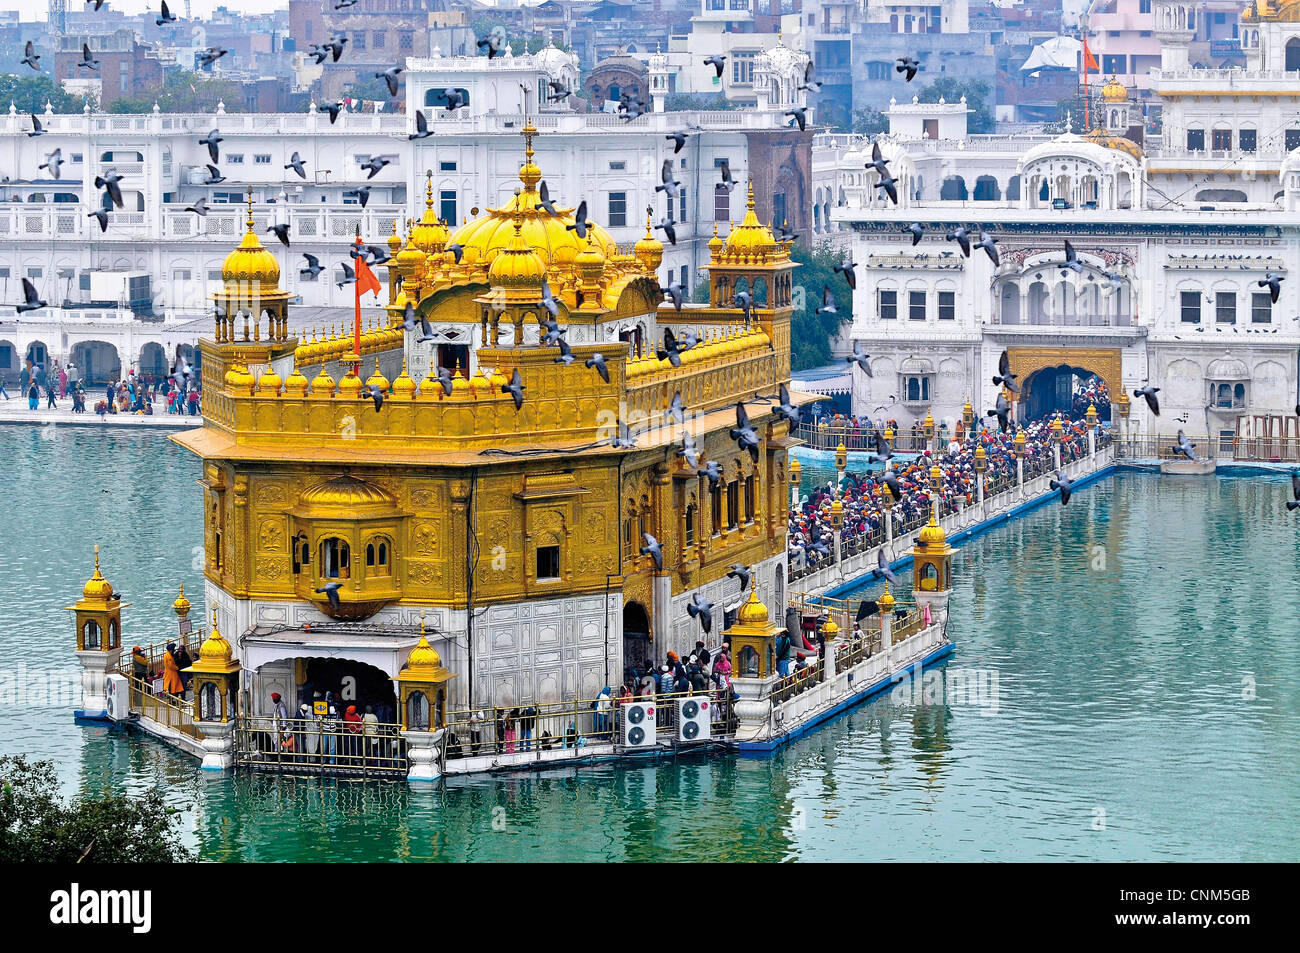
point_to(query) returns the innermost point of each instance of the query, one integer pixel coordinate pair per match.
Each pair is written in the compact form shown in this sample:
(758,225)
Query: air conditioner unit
(693,718)
(119,698)
(638,729)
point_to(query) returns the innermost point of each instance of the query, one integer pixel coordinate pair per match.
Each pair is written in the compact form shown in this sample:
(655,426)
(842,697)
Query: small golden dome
(479,385)
(377,379)
(518,272)
(350,385)
(1114,92)
(215,648)
(403,385)
(459,385)
(322,384)
(429,235)
(97,588)
(348,493)
(649,251)
(268,385)
(886,601)
(932,535)
(240,379)
(295,385)
(182,605)
(394,240)
(250,265)
(750,238)
(830,629)
(715,243)
(753,612)
(424,656)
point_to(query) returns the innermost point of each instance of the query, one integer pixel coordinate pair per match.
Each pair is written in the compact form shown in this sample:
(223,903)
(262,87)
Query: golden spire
(529,173)
(428,189)
(750,203)
(249,222)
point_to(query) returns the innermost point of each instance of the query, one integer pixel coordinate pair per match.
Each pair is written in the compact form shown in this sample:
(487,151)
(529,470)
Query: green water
(1146,706)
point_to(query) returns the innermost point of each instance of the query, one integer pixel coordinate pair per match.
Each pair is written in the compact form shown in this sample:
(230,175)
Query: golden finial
(97,557)
(428,188)
(421,623)
(529,131)
(750,204)
(249,223)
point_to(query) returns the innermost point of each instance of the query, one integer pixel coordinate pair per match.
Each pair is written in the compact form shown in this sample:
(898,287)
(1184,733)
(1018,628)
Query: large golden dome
(251,265)
(543,232)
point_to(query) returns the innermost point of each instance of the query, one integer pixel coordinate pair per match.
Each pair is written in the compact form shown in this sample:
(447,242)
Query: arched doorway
(37,353)
(636,638)
(1292,55)
(97,361)
(1065,389)
(153,361)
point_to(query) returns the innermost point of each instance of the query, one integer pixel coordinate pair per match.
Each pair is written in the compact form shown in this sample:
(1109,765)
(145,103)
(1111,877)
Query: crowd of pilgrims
(867,500)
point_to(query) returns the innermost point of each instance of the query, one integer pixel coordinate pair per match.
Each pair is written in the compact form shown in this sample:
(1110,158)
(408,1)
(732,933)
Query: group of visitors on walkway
(868,502)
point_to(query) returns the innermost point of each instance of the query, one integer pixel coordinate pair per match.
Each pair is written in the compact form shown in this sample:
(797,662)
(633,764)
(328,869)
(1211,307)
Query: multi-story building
(47,236)
(1175,245)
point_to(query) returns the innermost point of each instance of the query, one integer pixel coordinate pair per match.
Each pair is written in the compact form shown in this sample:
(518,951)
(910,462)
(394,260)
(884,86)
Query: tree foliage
(29,94)
(675,102)
(978,99)
(869,122)
(36,824)
(183,91)
(811,333)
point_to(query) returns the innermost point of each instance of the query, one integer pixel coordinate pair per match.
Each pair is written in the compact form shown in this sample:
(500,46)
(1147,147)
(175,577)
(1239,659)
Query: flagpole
(356,334)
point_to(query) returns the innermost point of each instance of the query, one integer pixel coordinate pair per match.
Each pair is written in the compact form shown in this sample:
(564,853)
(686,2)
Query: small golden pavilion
(333,530)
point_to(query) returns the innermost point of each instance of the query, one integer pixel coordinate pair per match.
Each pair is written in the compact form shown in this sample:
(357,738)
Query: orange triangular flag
(366,280)
(1089,61)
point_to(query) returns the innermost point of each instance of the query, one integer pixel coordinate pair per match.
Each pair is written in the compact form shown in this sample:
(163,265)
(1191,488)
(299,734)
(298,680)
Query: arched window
(747,662)
(90,634)
(691,509)
(301,553)
(749,499)
(377,558)
(335,559)
(114,636)
(929,577)
(417,712)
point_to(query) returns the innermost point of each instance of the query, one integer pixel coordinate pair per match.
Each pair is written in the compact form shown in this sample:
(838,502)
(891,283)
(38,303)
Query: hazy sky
(200,7)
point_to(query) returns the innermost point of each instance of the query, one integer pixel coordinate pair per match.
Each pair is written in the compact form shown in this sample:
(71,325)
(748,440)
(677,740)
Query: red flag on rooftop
(1089,61)
(366,280)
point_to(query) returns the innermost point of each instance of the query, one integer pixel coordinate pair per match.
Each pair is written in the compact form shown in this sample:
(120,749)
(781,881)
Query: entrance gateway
(1054,368)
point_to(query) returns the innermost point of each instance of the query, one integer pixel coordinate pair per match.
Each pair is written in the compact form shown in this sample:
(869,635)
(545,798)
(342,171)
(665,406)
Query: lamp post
(1058,434)
(837,521)
(968,416)
(841,461)
(1020,460)
(795,472)
(981,465)
(1091,417)
(927,428)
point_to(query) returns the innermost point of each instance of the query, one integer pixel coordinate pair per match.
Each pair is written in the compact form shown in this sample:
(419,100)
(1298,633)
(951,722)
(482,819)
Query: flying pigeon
(786,409)
(882,568)
(31,300)
(349,276)
(653,550)
(690,452)
(1185,447)
(962,238)
(908,65)
(389,76)
(52,162)
(1274,284)
(31,57)
(828,301)
(493,42)
(214,176)
(1002,411)
(375,164)
(676,410)
(165,16)
(313,269)
(800,116)
(674,294)
(1295,490)
(444,378)
(679,140)
(859,358)
(87,61)
(890,185)
(199,208)
(377,395)
(333,109)
(1062,483)
(515,389)
(598,362)
(1072,262)
(362,193)
(742,572)
(296,164)
(809,84)
(915,230)
(281,232)
(990,245)
(713,471)
(1004,377)
(211,140)
(331,589)
(846,269)
(212,54)
(716,62)
(580,223)
(100,215)
(743,433)
(878,161)
(421,128)
(699,608)
(109,182)
(335,46)
(667,226)
(546,202)
(1149,393)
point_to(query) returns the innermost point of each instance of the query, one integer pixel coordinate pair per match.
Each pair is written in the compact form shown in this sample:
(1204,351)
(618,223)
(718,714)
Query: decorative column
(968,417)
(216,698)
(981,466)
(422,703)
(753,651)
(1091,417)
(99,642)
(886,603)
(830,646)
(795,472)
(927,428)
(1058,434)
(837,522)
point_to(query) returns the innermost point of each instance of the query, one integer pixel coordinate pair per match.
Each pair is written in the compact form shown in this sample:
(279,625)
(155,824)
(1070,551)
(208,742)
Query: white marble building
(474,154)
(1171,258)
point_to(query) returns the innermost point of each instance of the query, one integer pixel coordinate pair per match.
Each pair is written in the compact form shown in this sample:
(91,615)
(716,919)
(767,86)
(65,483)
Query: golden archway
(1105,362)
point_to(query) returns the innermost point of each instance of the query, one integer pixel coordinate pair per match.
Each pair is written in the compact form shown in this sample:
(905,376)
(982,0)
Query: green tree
(811,333)
(869,122)
(30,94)
(706,101)
(372,89)
(36,824)
(183,91)
(978,98)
